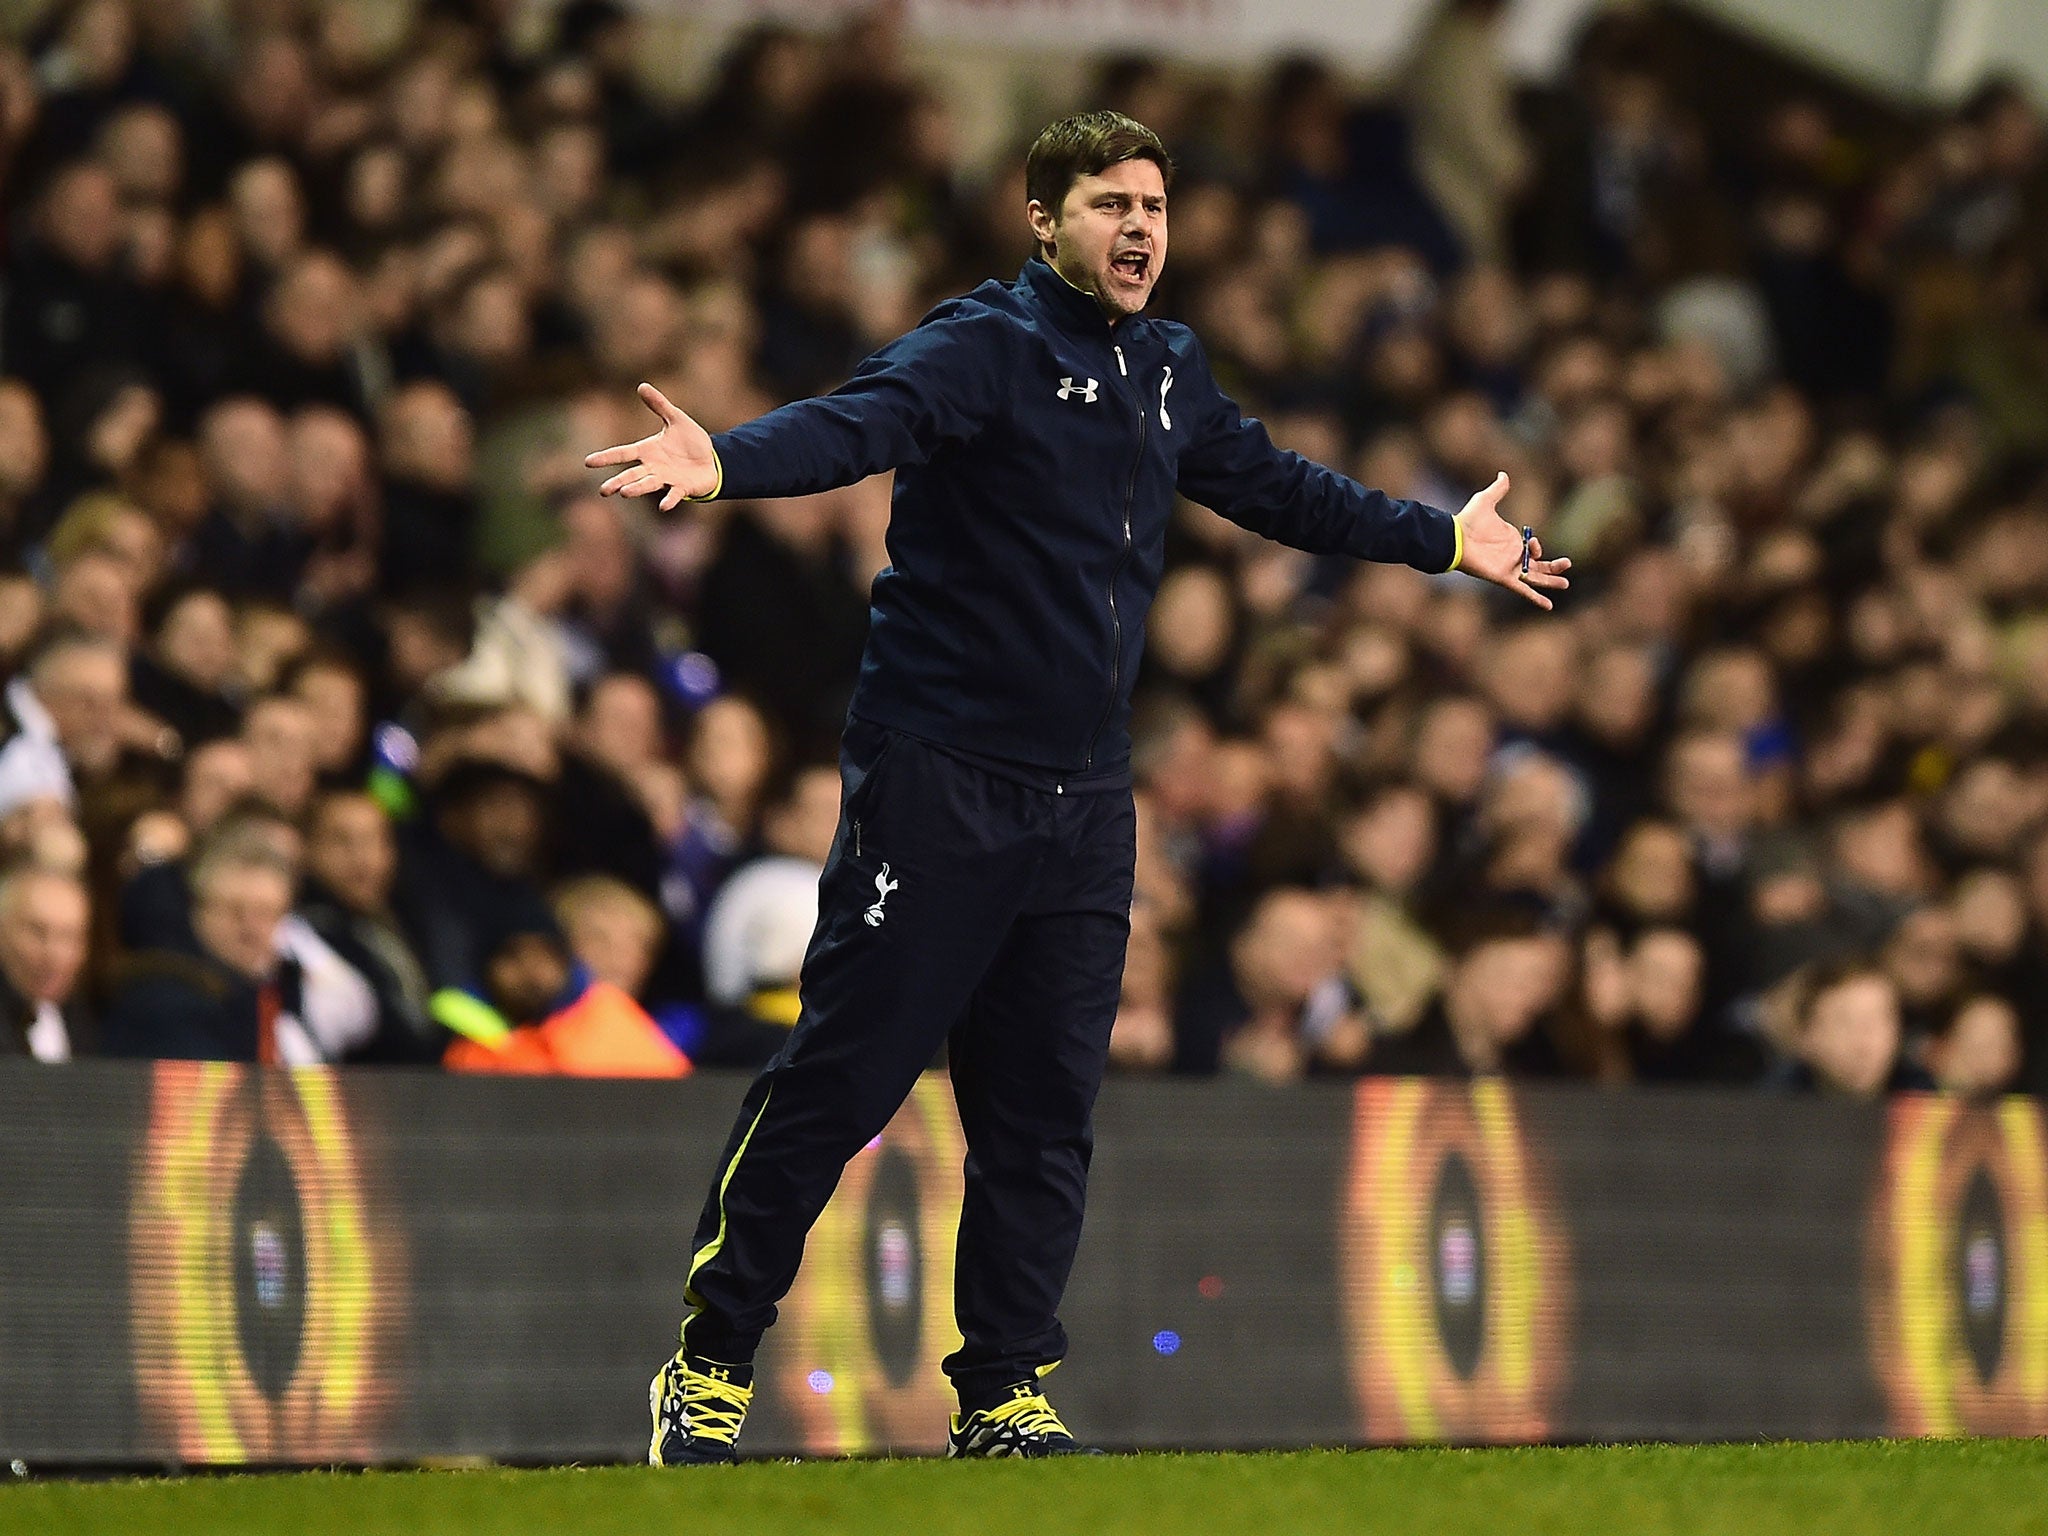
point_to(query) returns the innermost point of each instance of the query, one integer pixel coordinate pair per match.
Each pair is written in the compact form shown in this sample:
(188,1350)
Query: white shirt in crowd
(32,764)
(337,1008)
(758,928)
(48,1039)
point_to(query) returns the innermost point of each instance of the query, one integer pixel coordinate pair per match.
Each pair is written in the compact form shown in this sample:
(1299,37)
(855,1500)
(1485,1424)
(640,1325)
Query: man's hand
(678,457)
(1493,549)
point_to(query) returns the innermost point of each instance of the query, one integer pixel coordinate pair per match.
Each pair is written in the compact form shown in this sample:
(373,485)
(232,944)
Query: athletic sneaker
(698,1409)
(1024,1424)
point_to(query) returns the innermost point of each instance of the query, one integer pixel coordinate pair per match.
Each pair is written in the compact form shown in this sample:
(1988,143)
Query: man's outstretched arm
(935,385)
(1233,468)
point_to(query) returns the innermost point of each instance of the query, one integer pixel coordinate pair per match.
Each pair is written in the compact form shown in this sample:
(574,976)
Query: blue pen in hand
(1528,534)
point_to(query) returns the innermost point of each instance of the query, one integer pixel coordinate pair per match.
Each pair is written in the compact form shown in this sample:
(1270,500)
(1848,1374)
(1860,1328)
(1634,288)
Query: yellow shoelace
(712,1408)
(1032,1415)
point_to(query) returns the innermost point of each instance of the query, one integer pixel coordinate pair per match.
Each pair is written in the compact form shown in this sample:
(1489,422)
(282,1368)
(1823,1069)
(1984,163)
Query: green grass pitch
(1974,1488)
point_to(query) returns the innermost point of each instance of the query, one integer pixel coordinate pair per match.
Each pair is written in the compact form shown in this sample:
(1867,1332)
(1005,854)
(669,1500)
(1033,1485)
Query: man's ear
(1044,226)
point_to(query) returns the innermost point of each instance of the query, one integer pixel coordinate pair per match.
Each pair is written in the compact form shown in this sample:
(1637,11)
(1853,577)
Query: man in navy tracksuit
(978,893)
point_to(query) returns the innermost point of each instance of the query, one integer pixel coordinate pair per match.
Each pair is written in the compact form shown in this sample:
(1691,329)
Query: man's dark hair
(1087,144)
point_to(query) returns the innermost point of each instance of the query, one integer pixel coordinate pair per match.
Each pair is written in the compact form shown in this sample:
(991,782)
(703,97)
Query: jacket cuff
(1457,544)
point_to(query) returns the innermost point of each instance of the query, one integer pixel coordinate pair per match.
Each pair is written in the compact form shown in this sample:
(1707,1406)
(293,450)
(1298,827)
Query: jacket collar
(1068,304)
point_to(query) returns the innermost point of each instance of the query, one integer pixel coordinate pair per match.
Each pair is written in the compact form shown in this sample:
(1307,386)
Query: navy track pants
(960,908)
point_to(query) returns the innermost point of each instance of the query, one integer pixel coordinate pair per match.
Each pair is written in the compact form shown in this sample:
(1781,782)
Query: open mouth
(1132,266)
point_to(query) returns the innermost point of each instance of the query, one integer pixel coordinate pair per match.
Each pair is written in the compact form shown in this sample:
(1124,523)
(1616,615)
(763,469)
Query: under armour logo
(1165,420)
(1068,388)
(883,886)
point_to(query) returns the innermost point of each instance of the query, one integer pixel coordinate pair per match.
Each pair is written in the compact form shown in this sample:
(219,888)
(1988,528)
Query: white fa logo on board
(1165,384)
(883,886)
(1068,389)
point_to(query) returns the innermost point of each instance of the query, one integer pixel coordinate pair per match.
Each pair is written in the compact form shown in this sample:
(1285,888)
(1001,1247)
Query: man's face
(1507,984)
(96,593)
(1291,946)
(248,455)
(279,736)
(1451,749)
(1664,973)
(1981,1051)
(236,916)
(1852,1036)
(84,690)
(216,775)
(615,942)
(1108,237)
(501,828)
(1710,787)
(351,853)
(334,699)
(197,640)
(43,924)
(622,723)
(526,976)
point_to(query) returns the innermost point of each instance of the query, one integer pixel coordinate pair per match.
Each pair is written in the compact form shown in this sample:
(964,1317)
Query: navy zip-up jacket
(1037,451)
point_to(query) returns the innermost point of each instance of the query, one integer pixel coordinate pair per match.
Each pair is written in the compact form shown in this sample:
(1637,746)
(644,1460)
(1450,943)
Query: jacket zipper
(1116,624)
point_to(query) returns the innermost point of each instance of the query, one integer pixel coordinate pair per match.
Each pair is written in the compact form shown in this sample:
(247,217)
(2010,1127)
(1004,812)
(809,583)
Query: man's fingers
(658,403)
(670,501)
(1493,493)
(625,453)
(1547,581)
(1534,596)
(623,478)
(646,485)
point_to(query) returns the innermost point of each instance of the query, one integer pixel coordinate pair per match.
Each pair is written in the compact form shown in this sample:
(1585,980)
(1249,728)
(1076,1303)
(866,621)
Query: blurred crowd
(345,723)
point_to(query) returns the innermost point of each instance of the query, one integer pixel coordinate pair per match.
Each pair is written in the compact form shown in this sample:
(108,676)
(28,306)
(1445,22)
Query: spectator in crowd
(622,730)
(758,928)
(1847,1034)
(1495,1016)
(45,921)
(155,903)
(183,675)
(613,931)
(1280,1005)
(227,998)
(216,776)
(1977,1051)
(1469,150)
(336,702)
(63,720)
(538,1016)
(473,867)
(730,758)
(351,867)
(278,732)
(784,615)
(1643,1002)
(1141,1040)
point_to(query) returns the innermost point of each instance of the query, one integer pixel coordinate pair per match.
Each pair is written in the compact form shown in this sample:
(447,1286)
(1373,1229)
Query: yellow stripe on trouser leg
(710,1250)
